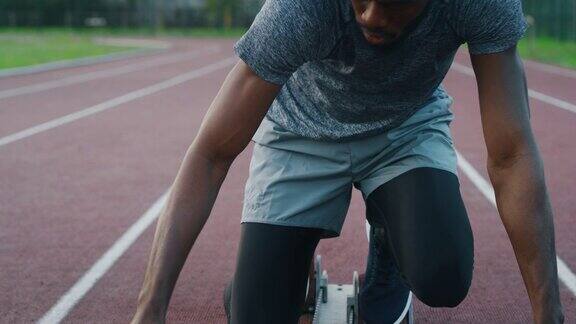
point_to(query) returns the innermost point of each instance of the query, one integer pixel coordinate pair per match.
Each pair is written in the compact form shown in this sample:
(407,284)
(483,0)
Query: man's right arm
(231,121)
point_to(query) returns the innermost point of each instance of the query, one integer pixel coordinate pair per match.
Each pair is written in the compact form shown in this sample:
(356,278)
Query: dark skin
(514,166)
(516,172)
(384,22)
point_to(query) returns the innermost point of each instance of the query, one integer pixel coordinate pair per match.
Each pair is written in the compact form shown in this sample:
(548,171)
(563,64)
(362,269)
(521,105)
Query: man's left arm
(516,172)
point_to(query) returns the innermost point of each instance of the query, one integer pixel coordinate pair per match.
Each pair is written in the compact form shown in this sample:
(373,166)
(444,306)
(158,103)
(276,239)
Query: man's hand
(145,317)
(516,172)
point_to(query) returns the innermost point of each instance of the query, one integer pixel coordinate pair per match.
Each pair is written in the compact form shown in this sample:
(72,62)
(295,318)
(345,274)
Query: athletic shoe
(384,297)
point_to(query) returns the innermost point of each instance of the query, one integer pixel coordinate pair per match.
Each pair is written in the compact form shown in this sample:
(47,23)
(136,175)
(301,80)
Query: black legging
(428,232)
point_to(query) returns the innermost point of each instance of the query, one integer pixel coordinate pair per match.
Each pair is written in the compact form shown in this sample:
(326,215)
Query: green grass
(141,31)
(562,53)
(177,32)
(29,46)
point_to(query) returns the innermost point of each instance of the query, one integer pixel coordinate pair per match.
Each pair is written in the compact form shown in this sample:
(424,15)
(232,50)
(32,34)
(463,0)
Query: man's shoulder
(286,34)
(470,8)
(488,26)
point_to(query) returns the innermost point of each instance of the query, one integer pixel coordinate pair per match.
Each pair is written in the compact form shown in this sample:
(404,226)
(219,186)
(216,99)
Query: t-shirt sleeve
(490,26)
(286,34)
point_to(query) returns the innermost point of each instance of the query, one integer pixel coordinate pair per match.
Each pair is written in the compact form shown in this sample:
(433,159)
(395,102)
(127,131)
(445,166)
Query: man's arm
(516,172)
(226,130)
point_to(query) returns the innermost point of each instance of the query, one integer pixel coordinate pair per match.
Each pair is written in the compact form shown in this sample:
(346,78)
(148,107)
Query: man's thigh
(428,231)
(300,184)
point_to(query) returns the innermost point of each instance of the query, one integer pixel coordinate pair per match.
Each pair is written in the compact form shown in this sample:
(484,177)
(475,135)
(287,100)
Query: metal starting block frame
(335,304)
(338,304)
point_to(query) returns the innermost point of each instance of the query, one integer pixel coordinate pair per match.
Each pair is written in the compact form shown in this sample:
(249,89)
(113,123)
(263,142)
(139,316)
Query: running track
(87,153)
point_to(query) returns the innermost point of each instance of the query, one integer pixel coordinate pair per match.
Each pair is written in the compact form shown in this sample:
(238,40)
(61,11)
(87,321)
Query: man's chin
(377,40)
(381,43)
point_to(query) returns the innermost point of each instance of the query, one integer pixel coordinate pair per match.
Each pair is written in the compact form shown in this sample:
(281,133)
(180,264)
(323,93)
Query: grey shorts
(298,181)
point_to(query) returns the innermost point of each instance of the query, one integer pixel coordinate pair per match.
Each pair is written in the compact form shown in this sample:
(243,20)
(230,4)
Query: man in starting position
(339,94)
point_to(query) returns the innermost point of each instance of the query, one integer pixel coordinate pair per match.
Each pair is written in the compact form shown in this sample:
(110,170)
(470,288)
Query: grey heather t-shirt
(336,86)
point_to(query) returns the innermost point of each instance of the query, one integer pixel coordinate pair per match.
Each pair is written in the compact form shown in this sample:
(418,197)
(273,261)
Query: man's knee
(444,287)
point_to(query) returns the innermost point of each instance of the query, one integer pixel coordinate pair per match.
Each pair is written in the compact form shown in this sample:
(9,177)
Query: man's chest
(424,54)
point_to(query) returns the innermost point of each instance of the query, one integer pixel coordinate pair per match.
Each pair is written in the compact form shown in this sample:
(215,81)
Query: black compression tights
(428,231)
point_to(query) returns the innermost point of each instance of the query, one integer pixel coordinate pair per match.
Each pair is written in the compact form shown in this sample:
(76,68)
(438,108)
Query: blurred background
(100,100)
(155,14)
(40,31)
(68,26)
(551,38)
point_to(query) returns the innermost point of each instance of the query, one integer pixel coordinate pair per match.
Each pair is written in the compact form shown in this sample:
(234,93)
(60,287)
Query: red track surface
(68,193)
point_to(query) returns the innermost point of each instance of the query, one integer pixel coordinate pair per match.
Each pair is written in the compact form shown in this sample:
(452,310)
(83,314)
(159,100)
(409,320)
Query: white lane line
(75,79)
(51,66)
(115,102)
(531,93)
(67,302)
(479,181)
(564,273)
(551,69)
(551,100)
(135,42)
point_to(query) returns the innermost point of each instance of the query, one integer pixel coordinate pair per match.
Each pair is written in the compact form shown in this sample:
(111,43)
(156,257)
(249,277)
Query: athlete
(343,94)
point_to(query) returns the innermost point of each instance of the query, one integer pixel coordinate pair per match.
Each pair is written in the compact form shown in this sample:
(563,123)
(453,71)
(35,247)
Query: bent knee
(443,288)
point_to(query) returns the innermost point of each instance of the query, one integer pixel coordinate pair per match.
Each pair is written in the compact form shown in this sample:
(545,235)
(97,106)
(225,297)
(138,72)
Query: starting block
(338,304)
(332,303)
